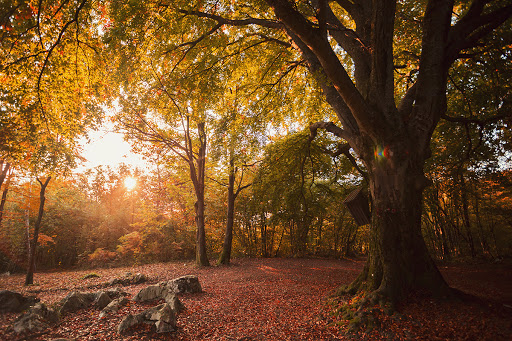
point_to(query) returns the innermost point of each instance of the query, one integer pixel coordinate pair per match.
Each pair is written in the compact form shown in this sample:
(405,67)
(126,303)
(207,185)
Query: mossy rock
(91,275)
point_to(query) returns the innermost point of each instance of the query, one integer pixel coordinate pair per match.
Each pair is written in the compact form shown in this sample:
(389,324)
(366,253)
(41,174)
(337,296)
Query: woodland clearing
(277,299)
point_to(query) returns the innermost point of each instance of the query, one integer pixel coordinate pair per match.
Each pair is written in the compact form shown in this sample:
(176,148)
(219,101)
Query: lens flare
(382,152)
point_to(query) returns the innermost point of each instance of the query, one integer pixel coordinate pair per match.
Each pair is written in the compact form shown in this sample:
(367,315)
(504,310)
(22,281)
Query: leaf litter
(277,299)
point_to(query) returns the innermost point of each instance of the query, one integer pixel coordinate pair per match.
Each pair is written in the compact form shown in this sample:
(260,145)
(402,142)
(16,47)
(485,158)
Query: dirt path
(277,299)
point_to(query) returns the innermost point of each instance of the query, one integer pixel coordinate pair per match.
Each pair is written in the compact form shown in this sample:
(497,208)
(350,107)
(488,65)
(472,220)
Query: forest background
(226,130)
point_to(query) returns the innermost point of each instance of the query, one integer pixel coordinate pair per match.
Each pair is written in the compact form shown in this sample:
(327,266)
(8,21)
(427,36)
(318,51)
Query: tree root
(363,310)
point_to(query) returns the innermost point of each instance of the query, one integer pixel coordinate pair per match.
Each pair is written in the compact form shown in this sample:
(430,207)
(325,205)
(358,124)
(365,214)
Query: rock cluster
(162,316)
(39,317)
(76,300)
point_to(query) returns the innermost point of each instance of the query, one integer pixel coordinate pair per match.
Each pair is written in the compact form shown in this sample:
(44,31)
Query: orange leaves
(246,302)
(45,240)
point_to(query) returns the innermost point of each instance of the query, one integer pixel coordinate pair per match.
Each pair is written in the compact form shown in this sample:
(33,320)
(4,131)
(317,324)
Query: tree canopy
(409,100)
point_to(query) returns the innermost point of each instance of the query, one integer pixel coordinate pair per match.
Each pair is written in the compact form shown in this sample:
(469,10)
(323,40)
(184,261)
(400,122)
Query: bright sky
(109,149)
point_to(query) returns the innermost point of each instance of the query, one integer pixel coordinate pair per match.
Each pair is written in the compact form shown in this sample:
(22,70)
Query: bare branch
(329,126)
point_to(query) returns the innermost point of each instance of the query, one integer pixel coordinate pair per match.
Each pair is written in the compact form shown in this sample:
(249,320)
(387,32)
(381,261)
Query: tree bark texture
(197,172)
(4,171)
(29,279)
(225,256)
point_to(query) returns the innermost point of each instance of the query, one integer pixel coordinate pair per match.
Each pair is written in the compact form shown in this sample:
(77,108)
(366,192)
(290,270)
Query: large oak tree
(351,49)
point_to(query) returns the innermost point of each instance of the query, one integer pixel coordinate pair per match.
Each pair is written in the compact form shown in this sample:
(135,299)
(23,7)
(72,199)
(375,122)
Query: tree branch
(234,22)
(474,26)
(366,117)
(345,150)
(329,126)
(332,96)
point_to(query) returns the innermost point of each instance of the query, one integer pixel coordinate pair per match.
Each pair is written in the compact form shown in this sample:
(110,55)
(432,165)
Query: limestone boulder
(76,300)
(113,306)
(152,292)
(79,300)
(14,302)
(180,285)
(128,279)
(102,300)
(162,317)
(185,284)
(37,318)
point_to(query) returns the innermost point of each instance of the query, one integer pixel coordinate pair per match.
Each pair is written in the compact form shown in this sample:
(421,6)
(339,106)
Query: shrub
(101,257)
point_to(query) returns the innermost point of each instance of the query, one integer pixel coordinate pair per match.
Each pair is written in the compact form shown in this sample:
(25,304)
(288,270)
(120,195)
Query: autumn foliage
(282,299)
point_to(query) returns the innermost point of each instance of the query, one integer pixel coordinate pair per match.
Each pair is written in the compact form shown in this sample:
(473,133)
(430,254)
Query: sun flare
(130,183)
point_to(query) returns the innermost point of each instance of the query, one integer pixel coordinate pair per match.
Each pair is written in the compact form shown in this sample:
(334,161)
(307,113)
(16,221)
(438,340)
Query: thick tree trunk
(29,279)
(399,261)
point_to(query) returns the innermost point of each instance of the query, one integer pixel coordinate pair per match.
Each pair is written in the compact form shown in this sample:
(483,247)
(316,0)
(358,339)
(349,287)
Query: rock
(113,306)
(139,278)
(14,302)
(115,293)
(129,321)
(91,275)
(185,284)
(42,310)
(37,318)
(102,300)
(75,300)
(152,292)
(128,279)
(173,301)
(163,317)
(79,300)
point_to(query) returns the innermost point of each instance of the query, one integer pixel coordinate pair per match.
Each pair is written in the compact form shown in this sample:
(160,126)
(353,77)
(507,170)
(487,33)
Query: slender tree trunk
(29,279)
(465,215)
(27,230)
(483,238)
(198,179)
(225,256)
(2,203)
(4,169)
(264,249)
(4,198)
(270,248)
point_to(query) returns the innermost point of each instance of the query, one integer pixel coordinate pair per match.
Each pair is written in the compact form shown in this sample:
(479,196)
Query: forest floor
(277,299)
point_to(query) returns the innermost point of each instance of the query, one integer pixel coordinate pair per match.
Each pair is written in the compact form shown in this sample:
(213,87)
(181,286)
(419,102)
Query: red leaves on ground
(278,299)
